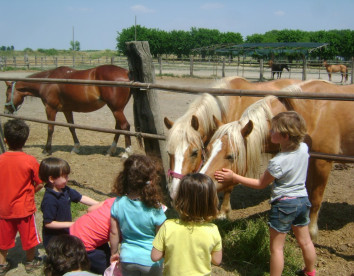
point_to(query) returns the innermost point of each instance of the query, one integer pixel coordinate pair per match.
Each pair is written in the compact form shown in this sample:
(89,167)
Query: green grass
(246,248)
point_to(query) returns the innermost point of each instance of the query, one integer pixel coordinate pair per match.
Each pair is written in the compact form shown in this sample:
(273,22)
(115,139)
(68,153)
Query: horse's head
(13,98)
(185,147)
(227,149)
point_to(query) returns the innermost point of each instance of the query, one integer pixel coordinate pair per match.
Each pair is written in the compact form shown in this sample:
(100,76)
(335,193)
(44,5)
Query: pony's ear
(247,129)
(8,83)
(168,123)
(217,122)
(195,122)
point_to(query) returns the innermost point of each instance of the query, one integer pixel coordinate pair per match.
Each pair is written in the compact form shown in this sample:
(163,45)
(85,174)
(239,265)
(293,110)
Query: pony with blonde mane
(239,145)
(190,133)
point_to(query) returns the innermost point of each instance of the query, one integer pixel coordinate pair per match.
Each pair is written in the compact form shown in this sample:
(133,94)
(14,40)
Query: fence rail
(180,89)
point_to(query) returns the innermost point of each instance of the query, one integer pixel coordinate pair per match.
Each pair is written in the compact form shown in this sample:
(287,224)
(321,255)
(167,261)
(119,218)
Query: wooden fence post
(160,64)
(261,69)
(304,69)
(352,81)
(223,67)
(191,66)
(147,117)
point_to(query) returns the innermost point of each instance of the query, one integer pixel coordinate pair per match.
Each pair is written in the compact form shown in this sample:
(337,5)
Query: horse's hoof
(47,153)
(125,155)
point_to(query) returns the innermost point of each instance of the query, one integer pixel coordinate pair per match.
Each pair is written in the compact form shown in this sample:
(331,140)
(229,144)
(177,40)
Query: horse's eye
(230,157)
(194,153)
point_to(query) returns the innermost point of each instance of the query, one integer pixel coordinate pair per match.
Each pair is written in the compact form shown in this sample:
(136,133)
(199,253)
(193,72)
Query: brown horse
(188,136)
(69,98)
(336,68)
(238,145)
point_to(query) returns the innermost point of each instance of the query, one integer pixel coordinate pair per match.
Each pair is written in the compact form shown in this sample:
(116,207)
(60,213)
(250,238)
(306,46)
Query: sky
(95,24)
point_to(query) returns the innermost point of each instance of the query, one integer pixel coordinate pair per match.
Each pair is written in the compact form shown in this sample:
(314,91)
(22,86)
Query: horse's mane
(298,87)
(203,107)
(248,160)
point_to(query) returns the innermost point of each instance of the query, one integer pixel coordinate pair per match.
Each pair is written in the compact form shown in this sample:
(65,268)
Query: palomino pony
(336,68)
(238,145)
(69,98)
(189,135)
(277,68)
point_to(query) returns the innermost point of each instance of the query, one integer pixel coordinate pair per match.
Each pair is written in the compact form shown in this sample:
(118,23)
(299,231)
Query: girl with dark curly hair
(137,215)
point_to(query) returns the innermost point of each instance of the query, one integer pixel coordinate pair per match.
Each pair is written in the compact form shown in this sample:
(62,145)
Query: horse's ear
(247,129)
(217,122)
(8,83)
(195,122)
(168,123)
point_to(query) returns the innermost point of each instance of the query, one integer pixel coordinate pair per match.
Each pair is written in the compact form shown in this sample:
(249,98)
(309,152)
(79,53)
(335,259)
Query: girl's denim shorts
(287,212)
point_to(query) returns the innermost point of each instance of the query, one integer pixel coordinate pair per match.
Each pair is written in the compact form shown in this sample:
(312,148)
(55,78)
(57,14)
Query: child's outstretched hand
(224,176)
(114,257)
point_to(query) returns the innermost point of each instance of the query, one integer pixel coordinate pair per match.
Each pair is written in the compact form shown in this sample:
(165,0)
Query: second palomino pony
(238,145)
(333,68)
(190,133)
(69,98)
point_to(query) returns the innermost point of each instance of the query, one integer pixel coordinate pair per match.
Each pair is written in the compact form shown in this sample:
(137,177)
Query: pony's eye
(230,157)
(194,153)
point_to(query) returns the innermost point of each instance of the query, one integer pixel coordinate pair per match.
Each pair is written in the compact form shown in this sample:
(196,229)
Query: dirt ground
(95,173)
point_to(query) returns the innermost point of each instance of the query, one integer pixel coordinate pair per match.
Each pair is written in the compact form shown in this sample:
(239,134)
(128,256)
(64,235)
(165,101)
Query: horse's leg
(329,77)
(121,123)
(70,119)
(51,114)
(225,207)
(318,173)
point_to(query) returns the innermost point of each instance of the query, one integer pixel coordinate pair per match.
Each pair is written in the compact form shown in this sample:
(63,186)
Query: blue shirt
(56,206)
(137,224)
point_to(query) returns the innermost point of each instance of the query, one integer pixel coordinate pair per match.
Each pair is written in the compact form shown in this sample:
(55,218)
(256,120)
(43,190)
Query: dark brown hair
(16,133)
(140,174)
(54,167)
(196,198)
(65,253)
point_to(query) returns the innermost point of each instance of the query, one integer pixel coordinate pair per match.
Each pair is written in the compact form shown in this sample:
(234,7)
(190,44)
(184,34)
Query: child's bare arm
(156,255)
(94,207)
(88,201)
(58,224)
(114,239)
(38,187)
(216,257)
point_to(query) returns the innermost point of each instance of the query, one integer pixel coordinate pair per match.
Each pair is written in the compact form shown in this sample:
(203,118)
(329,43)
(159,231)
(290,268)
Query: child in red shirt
(19,181)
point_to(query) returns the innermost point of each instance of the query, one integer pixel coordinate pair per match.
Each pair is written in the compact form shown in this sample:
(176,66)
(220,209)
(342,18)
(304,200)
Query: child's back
(190,244)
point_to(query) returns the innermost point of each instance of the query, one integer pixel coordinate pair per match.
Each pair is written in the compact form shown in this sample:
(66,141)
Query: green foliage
(74,46)
(246,248)
(179,43)
(48,52)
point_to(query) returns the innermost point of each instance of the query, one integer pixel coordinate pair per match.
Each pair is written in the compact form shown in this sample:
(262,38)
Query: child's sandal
(304,273)
(34,264)
(4,268)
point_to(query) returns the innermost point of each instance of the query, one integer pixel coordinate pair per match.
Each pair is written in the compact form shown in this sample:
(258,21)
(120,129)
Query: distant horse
(277,68)
(69,98)
(336,68)
(238,145)
(189,135)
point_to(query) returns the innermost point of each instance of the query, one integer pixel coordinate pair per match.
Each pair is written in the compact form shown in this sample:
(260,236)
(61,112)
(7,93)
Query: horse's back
(111,72)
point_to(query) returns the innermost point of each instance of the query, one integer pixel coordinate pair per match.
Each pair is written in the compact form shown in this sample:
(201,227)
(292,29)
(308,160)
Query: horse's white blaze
(179,158)
(217,146)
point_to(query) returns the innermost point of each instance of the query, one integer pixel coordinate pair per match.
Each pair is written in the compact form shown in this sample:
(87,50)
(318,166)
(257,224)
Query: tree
(76,46)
